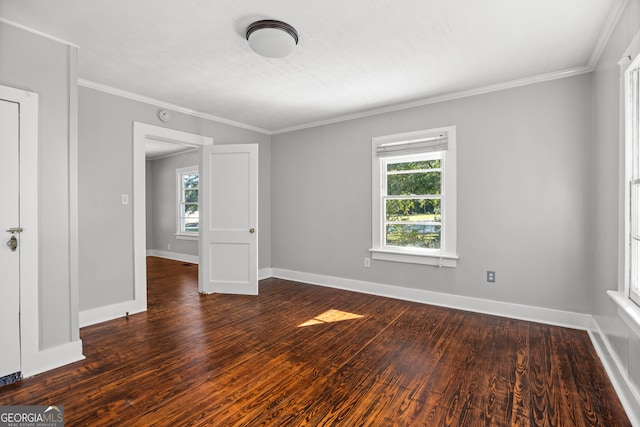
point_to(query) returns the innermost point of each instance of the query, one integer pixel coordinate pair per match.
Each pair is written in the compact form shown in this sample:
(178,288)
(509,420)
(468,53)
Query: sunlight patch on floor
(330,316)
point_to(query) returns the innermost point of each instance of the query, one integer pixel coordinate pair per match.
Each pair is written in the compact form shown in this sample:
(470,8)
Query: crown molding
(39,33)
(607,29)
(447,97)
(162,104)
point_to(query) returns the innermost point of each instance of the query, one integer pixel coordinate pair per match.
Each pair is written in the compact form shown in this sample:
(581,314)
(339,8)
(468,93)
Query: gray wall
(40,65)
(524,196)
(106,172)
(162,185)
(607,207)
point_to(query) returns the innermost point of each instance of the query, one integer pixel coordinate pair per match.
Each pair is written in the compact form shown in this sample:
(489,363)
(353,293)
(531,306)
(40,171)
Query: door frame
(28,179)
(142,131)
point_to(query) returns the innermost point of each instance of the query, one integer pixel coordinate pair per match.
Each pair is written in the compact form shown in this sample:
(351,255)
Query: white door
(9,259)
(229,220)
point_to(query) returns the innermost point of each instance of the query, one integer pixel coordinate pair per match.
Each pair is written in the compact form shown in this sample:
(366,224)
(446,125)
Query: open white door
(229,223)
(9,252)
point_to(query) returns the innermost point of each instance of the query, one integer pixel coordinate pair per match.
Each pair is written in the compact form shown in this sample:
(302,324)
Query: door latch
(13,243)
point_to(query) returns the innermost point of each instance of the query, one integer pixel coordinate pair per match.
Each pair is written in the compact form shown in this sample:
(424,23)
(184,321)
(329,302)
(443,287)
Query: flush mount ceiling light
(272,39)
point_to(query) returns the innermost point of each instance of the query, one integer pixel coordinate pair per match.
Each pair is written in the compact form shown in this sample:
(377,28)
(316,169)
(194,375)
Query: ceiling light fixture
(272,39)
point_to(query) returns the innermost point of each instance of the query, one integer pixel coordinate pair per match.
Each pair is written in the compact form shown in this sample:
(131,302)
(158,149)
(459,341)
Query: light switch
(125,199)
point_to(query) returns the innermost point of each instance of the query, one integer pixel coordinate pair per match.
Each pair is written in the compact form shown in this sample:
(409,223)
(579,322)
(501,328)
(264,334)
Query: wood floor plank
(233,360)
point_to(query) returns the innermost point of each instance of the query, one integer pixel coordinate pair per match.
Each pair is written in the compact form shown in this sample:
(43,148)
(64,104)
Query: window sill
(185,236)
(413,258)
(629,312)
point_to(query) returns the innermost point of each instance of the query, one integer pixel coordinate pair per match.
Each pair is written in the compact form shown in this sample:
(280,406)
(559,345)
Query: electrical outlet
(491,276)
(367,262)
(168,246)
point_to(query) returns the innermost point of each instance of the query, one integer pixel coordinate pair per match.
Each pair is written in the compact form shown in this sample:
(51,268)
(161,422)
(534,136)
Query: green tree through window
(412,203)
(188,207)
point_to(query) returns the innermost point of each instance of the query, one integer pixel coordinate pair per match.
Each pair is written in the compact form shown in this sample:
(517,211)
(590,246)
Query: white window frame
(180,233)
(447,255)
(632,180)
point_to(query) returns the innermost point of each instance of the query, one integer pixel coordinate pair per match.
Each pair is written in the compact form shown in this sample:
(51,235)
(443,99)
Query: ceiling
(158,149)
(354,57)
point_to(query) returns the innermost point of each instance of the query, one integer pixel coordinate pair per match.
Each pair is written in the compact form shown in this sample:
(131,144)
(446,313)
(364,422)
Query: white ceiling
(354,56)
(157,149)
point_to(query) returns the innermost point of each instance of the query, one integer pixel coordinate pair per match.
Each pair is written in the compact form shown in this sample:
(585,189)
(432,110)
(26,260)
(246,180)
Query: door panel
(228,233)
(9,260)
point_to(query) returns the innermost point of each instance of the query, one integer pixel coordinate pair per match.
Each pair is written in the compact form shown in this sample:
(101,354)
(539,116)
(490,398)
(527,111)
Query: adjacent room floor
(299,354)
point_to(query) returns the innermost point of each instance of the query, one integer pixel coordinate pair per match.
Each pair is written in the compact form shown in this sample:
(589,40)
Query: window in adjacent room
(188,219)
(632,178)
(414,197)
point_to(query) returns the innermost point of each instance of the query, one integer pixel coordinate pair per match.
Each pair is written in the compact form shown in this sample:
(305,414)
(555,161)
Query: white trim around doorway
(142,132)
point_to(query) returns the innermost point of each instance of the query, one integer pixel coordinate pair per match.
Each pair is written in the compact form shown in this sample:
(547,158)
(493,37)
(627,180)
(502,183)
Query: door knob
(13,243)
(252,230)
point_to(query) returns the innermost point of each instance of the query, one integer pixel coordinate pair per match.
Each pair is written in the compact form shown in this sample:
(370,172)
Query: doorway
(143,133)
(228,233)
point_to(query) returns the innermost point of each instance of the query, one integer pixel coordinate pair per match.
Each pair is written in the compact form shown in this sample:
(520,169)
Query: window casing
(414,197)
(188,218)
(632,179)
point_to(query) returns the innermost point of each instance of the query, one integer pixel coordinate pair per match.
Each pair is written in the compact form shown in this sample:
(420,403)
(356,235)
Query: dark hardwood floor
(360,360)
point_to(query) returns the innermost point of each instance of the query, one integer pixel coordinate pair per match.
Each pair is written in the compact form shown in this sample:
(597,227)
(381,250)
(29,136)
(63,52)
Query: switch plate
(125,199)
(491,276)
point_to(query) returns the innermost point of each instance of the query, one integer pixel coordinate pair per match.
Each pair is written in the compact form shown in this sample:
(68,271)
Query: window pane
(413,235)
(190,224)
(635,208)
(414,183)
(422,164)
(635,258)
(191,196)
(190,180)
(412,210)
(190,209)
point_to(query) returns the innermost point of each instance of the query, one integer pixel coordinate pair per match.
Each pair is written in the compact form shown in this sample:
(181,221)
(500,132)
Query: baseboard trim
(265,273)
(627,392)
(497,308)
(193,259)
(109,312)
(56,357)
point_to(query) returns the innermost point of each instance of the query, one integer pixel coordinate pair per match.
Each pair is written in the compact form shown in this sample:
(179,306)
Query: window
(414,197)
(188,220)
(632,179)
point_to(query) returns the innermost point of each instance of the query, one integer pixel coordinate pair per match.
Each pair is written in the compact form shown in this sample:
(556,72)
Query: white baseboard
(56,357)
(193,259)
(478,305)
(265,273)
(627,392)
(109,312)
